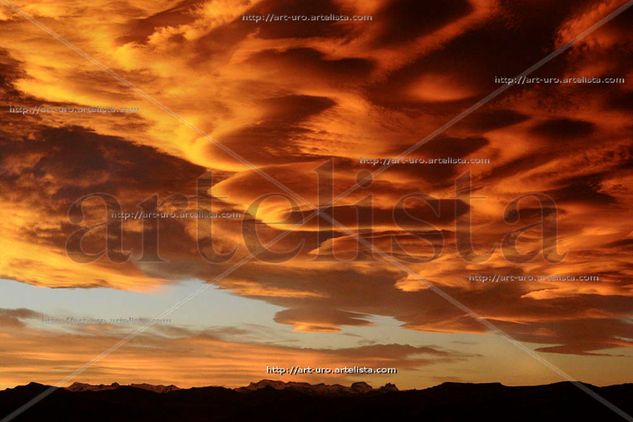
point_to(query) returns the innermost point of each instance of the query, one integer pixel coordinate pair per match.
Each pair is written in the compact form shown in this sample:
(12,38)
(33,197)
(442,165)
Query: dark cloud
(17,317)
(563,129)
(412,214)
(318,319)
(580,336)
(313,63)
(621,101)
(582,189)
(74,161)
(294,108)
(446,146)
(505,46)
(492,118)
(281,131)
(403,21)
(138,30)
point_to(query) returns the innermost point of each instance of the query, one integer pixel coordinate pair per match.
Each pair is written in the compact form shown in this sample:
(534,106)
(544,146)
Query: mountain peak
(80,387)
(316,389)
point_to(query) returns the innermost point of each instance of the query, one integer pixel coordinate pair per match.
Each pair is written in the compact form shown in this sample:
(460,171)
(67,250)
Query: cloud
(291,98)
(167,354)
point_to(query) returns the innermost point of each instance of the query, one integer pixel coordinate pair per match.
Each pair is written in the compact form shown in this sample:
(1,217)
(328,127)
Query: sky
(264,123)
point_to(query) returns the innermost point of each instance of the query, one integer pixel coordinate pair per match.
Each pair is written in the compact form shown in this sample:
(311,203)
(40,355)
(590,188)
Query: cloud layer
(263,104)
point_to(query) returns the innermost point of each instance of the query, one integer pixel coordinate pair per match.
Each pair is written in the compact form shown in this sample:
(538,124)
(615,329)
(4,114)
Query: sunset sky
(261,107)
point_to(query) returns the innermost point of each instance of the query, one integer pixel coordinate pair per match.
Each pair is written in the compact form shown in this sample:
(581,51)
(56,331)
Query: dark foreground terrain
(273,400)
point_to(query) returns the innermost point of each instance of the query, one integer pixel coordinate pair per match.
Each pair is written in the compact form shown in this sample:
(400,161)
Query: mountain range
(298,401)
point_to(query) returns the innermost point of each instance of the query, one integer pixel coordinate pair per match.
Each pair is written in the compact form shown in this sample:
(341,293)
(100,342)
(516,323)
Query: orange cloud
(285,99)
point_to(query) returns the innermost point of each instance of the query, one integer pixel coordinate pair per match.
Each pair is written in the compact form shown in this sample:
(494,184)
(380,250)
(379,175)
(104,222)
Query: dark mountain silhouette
(296,401)
(316,389)
(80,387)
